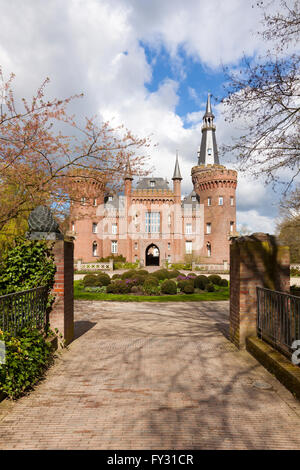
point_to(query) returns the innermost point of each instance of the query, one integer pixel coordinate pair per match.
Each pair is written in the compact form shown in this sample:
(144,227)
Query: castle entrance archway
(152,255)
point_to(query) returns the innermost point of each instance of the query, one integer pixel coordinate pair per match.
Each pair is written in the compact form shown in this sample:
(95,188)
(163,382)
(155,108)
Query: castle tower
(87,193)
(177,180)
(216,187)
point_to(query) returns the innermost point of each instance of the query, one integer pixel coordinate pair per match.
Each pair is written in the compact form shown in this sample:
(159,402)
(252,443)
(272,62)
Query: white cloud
(255,222)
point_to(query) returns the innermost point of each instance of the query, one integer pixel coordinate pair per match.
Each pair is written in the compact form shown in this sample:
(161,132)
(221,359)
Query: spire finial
(177,174)
(128,172)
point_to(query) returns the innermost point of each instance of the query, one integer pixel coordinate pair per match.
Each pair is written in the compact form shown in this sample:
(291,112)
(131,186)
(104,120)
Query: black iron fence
(278,319)
(25,308)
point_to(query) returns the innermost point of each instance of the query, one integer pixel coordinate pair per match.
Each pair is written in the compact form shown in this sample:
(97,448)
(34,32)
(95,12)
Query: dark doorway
(152,255)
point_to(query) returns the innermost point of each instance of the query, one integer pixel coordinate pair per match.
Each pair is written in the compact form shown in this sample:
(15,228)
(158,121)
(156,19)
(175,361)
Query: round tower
(216,187)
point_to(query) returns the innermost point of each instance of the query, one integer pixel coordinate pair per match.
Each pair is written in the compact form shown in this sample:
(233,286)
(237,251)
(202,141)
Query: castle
(153,224)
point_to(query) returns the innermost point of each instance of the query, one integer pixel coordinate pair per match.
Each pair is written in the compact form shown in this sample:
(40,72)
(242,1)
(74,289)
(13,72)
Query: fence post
(258,260)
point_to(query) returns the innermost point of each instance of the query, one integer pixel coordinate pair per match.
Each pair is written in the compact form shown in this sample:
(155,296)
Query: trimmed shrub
(103,279)
(153,281)
(151,289)
(168,287)
(200,282)
(161,274)
(129,274)
(173,273)
(224,283)
(188,287)
(119,287)
(116,276)
(209,287)
(215,279)
(90,280)
(135,290)
(144,272)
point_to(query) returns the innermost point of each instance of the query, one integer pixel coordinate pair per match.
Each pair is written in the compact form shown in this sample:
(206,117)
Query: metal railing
(25,308)
(278,319)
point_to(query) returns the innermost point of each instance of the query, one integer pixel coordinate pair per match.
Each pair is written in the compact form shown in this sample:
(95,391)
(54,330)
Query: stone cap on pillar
(42,225)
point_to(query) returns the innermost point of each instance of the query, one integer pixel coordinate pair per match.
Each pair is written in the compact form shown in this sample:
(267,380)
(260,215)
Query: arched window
(208,246)
(95,249)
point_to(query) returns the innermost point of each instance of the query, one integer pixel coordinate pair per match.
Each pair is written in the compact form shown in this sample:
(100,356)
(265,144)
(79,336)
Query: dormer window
(110,198)
(194,199)
(152,184)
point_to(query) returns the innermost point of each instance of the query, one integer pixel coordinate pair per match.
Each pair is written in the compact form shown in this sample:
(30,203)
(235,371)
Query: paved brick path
(152,376)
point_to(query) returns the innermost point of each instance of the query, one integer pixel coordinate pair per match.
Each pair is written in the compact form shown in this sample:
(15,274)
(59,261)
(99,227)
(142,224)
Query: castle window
(220,200)
(114,228)
(194,199)
(209,151)
(114,246)
(169,219)
(188,247)
(169,246)
(110,198)
(152,184)
(82,201)
(94,227)
(135,246)
(231,201)
(152,222)
(188,228)
(231,226)
(209,201)
(208,246)
(73,227)
(208,227)
(94,202)
(95,249)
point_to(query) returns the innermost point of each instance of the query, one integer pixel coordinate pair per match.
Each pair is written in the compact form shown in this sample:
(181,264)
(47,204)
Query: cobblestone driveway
(152,376)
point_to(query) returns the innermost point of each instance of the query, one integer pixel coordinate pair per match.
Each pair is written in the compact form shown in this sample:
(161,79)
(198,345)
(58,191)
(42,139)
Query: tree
(38,161)
(265,95)
(289,228)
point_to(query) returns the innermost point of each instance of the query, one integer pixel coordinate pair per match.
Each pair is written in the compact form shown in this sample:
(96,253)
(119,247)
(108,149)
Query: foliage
(103,279)
(151,286)
(188,288)
(116,258)
(121,286)
(294,272)
(28,264)
(38,163)
(215,279)
(184,266)
(81,294)
(200,282)
(209,287)
(27,357)
(126,265)
(168,287)
(90,280)
(129,274)
(265,95)
(161,274)
(289,234)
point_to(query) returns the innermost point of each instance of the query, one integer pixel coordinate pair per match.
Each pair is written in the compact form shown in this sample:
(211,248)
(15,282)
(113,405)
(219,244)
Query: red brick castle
(152,223)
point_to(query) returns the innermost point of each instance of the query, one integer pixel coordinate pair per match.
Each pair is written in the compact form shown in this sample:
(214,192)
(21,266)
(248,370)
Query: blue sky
(147,64)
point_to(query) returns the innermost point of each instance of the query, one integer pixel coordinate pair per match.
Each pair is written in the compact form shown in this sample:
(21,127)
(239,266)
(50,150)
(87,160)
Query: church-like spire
(208,154)
(177,174)
(128,172)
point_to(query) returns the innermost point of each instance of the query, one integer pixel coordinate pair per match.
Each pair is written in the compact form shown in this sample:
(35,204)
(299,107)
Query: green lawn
(221,294)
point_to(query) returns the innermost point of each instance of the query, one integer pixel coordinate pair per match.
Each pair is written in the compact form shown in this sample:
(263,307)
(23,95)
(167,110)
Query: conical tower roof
(177,174)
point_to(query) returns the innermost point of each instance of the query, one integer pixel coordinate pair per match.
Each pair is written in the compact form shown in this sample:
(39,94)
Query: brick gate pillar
(258,260)
(62,313)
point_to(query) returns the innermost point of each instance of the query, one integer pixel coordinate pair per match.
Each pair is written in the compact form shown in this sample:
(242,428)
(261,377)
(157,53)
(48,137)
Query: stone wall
(258,260)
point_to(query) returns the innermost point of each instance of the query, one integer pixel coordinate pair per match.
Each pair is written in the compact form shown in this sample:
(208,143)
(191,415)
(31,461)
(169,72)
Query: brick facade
(258,260)
(62,313)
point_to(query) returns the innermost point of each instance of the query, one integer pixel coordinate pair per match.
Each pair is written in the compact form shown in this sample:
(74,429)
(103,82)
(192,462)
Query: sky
(147,64)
